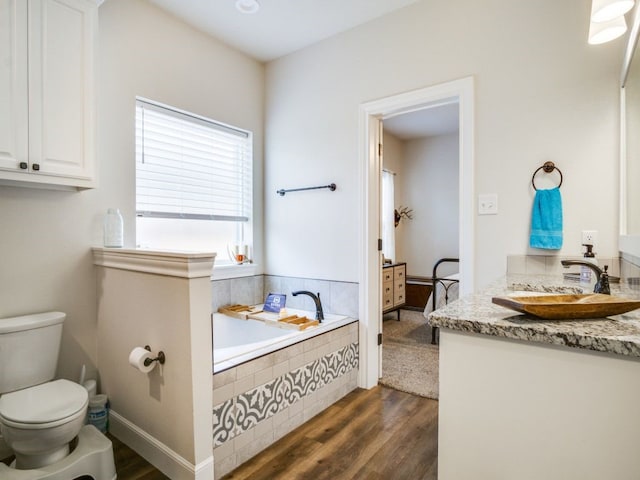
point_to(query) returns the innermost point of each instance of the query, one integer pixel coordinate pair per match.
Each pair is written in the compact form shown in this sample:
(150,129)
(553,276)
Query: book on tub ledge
(275,302)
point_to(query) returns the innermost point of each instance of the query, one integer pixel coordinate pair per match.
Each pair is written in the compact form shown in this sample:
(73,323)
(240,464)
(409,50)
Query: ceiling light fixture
(606,31)
(607,10)
(247,6)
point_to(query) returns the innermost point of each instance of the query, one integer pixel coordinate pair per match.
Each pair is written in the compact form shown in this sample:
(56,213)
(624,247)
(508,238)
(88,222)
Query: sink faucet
(316,300)
(602,277)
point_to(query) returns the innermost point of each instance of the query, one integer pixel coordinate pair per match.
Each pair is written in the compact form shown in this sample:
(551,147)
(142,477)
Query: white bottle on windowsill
(113,229)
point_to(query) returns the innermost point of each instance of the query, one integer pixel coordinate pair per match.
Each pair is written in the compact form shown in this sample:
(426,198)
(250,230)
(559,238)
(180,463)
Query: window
(388,216)
(193,182)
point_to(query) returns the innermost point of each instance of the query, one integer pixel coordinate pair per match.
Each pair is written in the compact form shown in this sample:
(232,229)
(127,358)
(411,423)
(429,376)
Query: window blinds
(191,167)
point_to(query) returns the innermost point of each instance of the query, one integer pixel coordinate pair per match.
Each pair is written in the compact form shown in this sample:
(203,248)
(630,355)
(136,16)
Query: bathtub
(237,341)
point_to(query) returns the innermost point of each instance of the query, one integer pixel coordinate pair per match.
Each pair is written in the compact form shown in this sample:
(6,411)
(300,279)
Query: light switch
(488,204)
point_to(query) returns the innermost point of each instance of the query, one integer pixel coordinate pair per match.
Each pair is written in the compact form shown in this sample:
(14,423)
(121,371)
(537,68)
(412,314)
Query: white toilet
(39,416)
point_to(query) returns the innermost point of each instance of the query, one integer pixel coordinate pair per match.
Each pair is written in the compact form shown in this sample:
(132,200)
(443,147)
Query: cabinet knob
(35,167)
(23,165)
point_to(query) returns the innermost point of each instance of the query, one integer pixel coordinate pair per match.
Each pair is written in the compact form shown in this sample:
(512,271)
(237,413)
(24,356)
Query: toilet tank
(29,347)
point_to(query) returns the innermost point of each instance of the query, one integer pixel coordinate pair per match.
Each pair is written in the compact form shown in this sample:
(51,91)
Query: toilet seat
(44,406)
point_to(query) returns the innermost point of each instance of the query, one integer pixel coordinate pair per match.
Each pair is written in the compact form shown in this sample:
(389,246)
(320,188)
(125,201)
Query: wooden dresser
(394,294)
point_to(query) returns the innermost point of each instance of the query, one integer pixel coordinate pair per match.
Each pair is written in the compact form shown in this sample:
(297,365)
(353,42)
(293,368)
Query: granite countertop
(475,313)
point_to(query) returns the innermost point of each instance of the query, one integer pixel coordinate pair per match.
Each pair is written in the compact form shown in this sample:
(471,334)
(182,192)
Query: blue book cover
(275,302)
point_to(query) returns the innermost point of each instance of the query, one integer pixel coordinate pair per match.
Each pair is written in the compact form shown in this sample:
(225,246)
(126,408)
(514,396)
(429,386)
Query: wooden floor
(369,434)
(376,434)
(131,466)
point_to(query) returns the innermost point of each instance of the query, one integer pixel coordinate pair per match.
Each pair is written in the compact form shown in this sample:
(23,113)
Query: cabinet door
(13,84)
(399,274)
(398,292)
(61,91)
(387,295)
(387,274)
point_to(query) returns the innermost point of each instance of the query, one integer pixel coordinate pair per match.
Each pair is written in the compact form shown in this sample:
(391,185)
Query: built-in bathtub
(268,380)
(236,341)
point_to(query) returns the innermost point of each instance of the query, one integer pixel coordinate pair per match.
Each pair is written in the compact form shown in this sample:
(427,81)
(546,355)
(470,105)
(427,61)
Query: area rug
(409,361)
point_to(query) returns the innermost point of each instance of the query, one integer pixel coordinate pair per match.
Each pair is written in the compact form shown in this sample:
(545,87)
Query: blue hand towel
(546,220)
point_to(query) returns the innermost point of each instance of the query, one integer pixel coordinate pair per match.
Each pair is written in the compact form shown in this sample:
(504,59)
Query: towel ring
(548,167)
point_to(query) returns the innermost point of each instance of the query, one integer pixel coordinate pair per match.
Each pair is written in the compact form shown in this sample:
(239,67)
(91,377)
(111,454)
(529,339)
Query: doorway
(371,117)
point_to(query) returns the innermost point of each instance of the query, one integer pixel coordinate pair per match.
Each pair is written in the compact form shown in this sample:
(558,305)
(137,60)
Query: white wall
(429,186)
(46,261)
(542,93)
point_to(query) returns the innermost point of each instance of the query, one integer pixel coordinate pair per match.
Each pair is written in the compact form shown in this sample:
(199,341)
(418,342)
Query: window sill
(222,272)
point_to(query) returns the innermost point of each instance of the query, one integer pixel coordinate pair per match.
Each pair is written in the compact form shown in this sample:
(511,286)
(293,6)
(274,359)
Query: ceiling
(280,27)
(429,122)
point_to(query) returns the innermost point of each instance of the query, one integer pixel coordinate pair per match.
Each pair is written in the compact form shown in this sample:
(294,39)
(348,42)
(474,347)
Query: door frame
(370,260)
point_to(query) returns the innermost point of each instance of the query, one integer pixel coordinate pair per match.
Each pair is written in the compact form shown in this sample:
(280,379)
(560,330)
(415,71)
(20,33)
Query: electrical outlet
(589,237)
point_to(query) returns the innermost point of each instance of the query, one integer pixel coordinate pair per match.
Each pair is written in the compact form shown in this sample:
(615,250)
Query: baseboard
(413,309)
(157,453)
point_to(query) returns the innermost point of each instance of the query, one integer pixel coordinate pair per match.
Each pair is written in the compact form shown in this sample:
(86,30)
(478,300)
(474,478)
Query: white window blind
(191,167)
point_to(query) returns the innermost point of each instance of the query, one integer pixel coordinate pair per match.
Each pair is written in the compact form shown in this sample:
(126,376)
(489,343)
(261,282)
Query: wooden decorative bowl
(568,307)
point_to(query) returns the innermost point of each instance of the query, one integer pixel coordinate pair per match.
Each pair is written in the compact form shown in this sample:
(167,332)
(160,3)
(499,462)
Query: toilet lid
(44,403)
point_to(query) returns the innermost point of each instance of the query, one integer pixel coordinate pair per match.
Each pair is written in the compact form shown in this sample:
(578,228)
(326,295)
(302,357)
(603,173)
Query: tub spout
(316,300)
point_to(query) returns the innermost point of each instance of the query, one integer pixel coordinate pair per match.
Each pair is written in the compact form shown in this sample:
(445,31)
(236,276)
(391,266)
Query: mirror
(630,145)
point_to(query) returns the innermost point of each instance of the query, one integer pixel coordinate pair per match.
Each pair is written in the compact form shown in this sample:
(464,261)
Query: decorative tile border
(240,413)
(224,422)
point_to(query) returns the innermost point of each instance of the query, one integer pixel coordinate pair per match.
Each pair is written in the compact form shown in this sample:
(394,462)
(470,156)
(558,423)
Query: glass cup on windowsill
(238,254)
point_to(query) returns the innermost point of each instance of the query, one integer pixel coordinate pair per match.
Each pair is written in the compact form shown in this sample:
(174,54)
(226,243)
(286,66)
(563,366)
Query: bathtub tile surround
(274,394)
(337,297)
(262,402)
(245,290)
(259,401)
(224,422)
(344,298)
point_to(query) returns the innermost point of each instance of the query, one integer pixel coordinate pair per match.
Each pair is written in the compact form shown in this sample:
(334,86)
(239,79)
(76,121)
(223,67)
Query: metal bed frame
(446,283)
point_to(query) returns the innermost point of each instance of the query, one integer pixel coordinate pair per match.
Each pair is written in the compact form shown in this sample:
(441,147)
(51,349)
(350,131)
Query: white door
(380,256)
(370,276)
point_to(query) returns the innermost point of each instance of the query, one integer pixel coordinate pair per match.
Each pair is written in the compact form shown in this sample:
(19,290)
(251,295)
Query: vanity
(528,399)
(524,398)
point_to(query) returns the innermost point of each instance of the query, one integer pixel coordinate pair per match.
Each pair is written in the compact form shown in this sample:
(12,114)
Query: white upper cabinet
(47,130)
(13,84)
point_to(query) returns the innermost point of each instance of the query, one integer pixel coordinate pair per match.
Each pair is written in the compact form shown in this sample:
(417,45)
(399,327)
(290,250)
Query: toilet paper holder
(160,358)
